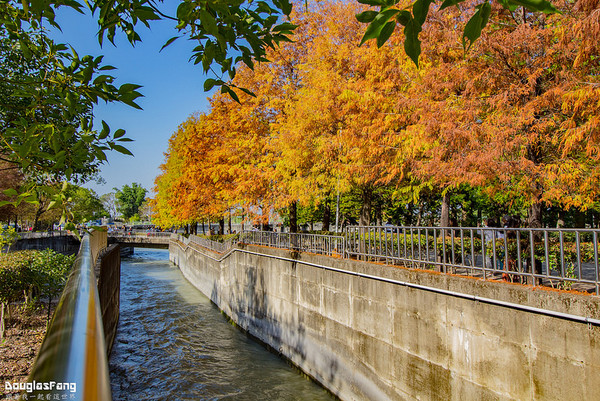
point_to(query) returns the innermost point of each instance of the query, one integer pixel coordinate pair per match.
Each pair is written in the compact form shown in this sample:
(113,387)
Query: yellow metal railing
(72,360)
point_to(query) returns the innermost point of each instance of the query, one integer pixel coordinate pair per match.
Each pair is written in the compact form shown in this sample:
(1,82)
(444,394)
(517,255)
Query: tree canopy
(48,91)
(508,127)
(129,199)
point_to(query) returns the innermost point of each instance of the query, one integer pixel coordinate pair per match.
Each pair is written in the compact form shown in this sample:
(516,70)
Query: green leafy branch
(382,23)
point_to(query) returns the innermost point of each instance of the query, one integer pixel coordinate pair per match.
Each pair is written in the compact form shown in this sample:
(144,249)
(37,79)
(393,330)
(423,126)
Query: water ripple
(173,344)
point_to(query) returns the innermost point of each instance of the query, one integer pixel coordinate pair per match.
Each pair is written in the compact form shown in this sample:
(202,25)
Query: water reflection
(173,344)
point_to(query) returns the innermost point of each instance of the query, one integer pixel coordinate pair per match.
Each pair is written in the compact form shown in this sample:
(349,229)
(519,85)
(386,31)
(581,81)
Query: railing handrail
(583,229)
(73,350)
(538,256)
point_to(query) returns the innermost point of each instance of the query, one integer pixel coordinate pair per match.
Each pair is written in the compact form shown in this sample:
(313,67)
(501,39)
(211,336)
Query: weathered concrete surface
(371,340)
(140,241)
(108,275)
(66,244)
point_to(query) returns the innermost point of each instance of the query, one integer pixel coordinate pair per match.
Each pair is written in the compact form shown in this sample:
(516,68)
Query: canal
(172,343)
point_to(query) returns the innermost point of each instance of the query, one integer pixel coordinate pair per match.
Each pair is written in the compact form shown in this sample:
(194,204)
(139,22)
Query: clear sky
(172,89)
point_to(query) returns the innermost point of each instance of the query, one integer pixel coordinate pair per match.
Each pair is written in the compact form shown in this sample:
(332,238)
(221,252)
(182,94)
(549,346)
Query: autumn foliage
(512,121)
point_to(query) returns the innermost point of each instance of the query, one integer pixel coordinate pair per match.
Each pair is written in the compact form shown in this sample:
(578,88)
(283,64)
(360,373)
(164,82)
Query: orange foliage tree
(514,116)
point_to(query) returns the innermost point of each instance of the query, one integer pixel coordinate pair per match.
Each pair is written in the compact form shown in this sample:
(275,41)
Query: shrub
(40,273)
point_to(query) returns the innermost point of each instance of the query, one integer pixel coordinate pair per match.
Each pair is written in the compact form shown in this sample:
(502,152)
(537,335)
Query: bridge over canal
(140,239)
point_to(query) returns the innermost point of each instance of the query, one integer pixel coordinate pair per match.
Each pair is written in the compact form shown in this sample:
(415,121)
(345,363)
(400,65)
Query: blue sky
(172,89)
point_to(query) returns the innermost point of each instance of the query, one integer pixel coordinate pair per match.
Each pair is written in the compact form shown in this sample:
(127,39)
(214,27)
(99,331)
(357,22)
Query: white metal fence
(331,245)
(560,258)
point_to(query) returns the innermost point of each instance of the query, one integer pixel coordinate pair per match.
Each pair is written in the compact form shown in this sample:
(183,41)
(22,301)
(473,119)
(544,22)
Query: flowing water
(172,343)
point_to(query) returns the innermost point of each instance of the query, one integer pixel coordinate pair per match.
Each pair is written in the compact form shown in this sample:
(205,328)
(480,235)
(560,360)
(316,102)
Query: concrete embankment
(66,244)
(373,332)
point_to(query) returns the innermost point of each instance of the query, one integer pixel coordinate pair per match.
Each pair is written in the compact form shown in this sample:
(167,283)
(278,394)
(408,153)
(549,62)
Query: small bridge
(140,240)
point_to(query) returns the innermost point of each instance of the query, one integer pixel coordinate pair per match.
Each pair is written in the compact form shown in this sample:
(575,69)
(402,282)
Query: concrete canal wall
(66,244)
(405,334)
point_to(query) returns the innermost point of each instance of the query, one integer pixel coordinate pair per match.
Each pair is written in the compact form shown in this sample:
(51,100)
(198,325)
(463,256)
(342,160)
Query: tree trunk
(366,207)
(534,220)
(378,214)
(38,213)
(222,225)
(534,212)
(534,215)
(326,215)
(293,215)
(579,219)
(560,222)
(230,222)
(445,215)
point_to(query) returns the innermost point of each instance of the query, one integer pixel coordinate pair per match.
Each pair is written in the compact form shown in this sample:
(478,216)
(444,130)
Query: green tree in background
(48,91)
(47,95)
(85,205)
(130,199)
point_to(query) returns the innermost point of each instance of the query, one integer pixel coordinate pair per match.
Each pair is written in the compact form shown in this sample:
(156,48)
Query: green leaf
(448,3)
(247,91)
(412,44)
(209,84)
(476,24)
(10,192)
(386,32)
(129,98)
(119,133)
(208,22)
(508,5)
(173,39)
(286,26)
(183,10)
(121,149)
(404,17)
(145,13)
(372,2)
(536,5)
(105,130)
(420,10)
(233,95)
(366,16)
(375,27)
(286,7)
(125,88)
